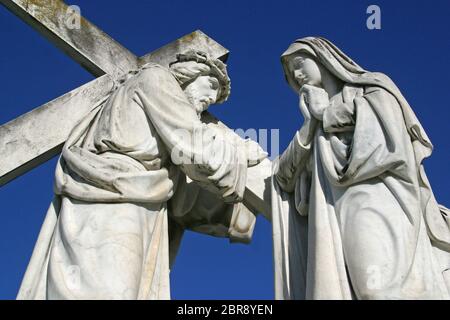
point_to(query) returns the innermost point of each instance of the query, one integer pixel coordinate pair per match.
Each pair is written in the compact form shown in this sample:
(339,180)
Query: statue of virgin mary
(354,216)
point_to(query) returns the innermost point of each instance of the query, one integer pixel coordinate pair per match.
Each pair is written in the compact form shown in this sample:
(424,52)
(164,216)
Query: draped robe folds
(353,213)
(121,204)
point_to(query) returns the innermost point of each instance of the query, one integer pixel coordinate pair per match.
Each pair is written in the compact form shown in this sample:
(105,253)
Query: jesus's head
(205,81)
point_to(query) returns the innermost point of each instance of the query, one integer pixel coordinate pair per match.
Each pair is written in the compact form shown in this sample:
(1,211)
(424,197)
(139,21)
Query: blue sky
(412,48)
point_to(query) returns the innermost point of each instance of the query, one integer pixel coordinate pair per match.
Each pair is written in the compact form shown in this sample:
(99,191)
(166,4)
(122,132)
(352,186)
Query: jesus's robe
(121,201)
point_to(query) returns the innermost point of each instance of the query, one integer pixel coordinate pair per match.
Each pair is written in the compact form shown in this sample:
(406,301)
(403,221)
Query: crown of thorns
(218,69)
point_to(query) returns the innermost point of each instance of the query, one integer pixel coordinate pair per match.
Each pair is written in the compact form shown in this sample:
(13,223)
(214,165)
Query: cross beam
(28,141)
(88,45)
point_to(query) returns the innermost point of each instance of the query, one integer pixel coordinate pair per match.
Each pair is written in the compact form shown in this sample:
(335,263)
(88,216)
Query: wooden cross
(28,141)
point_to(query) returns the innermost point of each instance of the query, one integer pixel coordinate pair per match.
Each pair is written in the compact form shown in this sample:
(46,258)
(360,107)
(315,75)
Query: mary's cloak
(353,212)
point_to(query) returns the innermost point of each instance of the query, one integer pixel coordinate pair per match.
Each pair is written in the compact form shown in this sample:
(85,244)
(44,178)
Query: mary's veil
(345,69)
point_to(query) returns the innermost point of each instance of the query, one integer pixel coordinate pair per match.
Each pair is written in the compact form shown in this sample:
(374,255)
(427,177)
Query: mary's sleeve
(339,118)
(291,162)
(202,154)
(380,139)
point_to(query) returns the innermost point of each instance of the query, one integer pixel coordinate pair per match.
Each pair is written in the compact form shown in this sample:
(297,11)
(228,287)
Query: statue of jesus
(127,185)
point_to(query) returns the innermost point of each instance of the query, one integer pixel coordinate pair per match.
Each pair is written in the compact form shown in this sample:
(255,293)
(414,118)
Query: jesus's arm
(201,153)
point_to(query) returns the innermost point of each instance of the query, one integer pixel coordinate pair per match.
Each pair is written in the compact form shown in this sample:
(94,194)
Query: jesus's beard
(195,100)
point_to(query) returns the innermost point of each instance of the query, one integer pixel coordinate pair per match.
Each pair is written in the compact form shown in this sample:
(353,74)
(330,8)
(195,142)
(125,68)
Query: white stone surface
(121,192)
(354,216)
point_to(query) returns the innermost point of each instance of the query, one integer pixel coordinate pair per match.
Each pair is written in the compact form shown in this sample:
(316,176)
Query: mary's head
(302,66)
(315,60)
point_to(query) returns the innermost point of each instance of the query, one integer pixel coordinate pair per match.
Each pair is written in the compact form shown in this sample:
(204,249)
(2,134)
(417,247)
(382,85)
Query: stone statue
(354,216)
(122,195)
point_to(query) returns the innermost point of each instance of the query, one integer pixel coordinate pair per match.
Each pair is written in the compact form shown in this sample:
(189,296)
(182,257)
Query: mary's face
(305,70)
